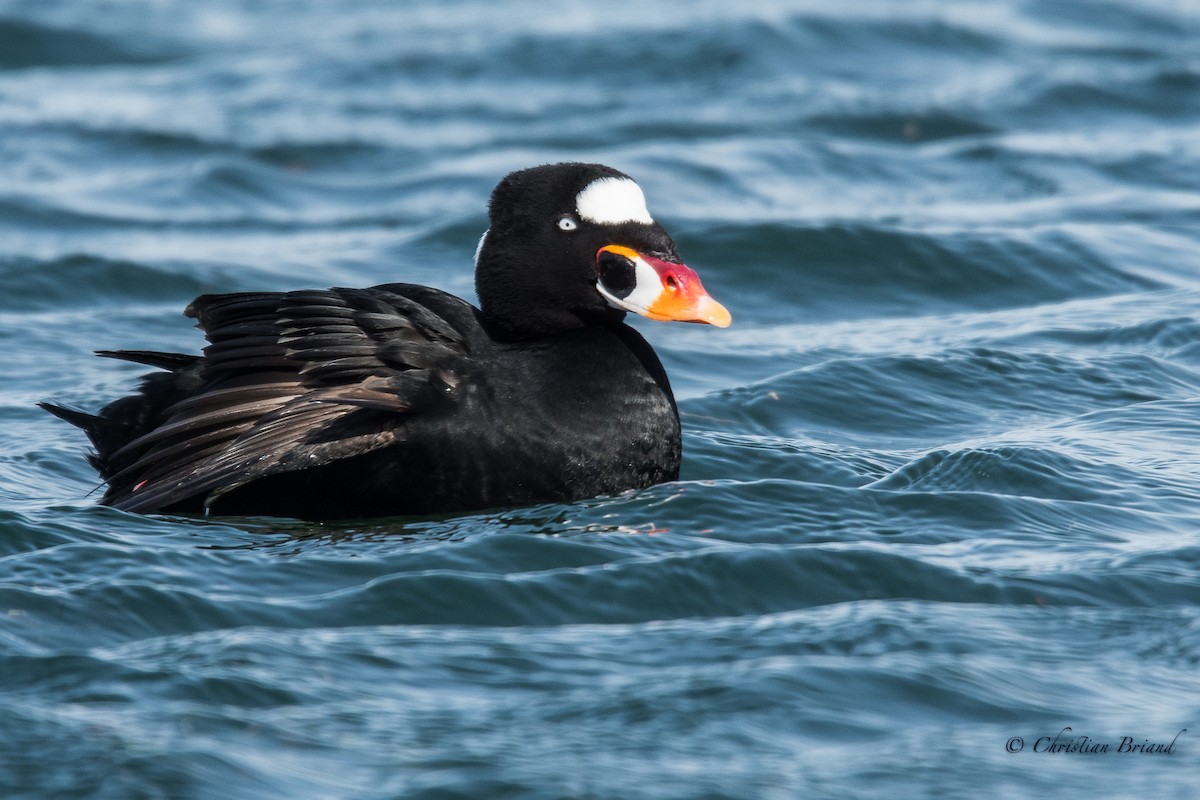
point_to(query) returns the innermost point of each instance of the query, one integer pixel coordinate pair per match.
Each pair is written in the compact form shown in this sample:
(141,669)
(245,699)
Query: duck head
(571,245)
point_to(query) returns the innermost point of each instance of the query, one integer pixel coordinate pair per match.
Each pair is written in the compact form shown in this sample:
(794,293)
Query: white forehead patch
(611,201)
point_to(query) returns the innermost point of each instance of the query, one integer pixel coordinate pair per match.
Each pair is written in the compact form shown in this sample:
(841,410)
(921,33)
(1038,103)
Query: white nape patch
(611,201)
(479,247)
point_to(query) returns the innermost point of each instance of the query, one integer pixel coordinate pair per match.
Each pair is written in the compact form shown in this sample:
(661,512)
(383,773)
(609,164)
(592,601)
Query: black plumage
(402,399)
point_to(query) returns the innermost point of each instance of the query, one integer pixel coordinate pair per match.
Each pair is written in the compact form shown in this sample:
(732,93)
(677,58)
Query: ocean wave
(91,281)
(939,479)
(25,45)
(838,270)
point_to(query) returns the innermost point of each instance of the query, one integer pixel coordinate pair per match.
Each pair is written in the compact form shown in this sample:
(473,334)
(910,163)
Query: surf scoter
(402,399)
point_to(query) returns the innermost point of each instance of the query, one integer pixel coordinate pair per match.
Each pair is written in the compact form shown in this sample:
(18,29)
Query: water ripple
(939,483)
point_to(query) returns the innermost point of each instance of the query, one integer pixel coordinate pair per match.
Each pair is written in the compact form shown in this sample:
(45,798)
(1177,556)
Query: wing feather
(290,381)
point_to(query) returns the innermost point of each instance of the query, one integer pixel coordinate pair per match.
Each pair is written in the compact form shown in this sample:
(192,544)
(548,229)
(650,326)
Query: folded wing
(290,381)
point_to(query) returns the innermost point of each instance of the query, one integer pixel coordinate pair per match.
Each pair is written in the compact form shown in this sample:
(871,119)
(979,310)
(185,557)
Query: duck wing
(290,381)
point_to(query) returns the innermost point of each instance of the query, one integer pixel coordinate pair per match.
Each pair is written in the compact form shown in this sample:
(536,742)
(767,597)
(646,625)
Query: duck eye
(567,223)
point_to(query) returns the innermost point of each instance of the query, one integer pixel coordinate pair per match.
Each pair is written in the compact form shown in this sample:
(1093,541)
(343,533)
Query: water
(940,484)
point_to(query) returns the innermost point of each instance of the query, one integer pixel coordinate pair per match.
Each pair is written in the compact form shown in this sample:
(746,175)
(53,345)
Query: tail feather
(152,358)
(124,420)
(92,425)
(80,419)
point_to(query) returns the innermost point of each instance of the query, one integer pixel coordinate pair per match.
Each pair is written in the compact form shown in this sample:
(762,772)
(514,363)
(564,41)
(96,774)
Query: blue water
(941,481)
